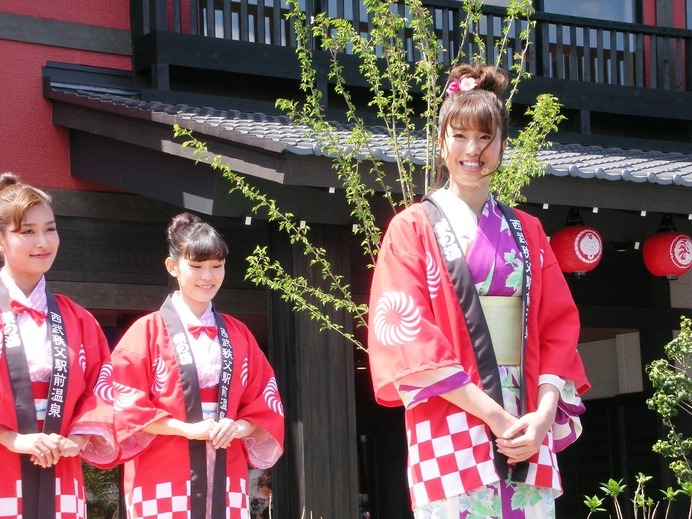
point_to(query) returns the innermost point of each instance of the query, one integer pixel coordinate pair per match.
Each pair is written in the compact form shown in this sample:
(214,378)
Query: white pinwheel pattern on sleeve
(160,375)
(82,358)
(271,397)
(104,385)
(125,396)
(245,372)
(397,319)
(432,275)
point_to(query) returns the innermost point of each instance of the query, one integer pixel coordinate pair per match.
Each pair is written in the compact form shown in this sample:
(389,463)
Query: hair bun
(487,77)
(9,179)
(181,221)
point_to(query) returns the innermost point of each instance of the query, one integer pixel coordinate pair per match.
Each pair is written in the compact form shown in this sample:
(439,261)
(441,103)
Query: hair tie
(463,85)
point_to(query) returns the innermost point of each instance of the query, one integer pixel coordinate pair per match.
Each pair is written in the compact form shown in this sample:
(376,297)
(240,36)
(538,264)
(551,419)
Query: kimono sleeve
(93,409)
(260,404)
(558,323)
(408,333)
(132,380)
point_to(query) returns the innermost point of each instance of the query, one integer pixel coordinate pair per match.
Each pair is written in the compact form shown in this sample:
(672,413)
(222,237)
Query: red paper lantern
(668,254)
(578,249)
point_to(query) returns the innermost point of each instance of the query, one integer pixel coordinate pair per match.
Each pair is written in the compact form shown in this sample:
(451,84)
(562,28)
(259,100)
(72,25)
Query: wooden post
(317,476)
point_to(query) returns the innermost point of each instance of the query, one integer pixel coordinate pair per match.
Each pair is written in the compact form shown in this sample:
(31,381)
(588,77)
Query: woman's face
(199,281)
(471,156)
(30,250)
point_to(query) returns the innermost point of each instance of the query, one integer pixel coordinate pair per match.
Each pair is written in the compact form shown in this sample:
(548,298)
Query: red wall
(105,13)
(30,144)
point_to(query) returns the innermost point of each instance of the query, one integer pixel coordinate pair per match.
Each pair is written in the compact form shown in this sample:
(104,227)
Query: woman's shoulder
(233,323)
(412,216)
(67,303)
(530,222)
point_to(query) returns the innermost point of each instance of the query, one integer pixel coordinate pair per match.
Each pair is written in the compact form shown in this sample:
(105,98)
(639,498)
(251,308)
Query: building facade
(90,92)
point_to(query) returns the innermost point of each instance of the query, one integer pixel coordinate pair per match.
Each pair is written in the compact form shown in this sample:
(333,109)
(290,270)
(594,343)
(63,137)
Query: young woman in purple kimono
(473,329)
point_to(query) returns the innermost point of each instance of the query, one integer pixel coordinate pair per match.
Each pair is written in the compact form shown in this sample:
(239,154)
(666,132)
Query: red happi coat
(416,324)
(86,408)
(156,472)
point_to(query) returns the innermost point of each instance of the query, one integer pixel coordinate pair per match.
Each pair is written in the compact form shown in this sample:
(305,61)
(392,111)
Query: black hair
(192,239)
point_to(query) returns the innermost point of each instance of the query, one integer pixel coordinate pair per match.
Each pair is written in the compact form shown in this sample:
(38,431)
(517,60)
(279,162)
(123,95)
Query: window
(615,10)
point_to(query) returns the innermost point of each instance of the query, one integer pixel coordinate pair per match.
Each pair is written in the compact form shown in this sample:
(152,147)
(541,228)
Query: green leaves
(523,164)
(672,385)
(594,504)
(399,58)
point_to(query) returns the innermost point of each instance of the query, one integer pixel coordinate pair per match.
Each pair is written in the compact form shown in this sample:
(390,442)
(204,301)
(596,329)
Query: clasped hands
(47,449)
(221,433)
(522,438)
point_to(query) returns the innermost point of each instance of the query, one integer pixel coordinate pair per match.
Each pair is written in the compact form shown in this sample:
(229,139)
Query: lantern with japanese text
(668,253)
(578,247)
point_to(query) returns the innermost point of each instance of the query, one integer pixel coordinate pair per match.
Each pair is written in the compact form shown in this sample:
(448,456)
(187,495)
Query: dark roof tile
(590,162)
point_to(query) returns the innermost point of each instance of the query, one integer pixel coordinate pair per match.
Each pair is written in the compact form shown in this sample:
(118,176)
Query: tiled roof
(279,133)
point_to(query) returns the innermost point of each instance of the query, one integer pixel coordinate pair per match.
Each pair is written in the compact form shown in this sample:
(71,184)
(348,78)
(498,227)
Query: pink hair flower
(463,85)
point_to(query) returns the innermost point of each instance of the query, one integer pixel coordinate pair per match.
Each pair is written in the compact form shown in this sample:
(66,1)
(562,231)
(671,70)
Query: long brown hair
(481,107)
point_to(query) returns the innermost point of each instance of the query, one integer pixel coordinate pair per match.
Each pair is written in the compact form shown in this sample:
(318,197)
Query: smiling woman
(30,249)
(52,413)
(196,398)
(473,329)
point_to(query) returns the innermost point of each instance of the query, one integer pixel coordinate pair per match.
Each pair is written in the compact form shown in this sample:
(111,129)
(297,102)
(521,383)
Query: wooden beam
(147,298)
(69,35)
(102,205)
(604,194)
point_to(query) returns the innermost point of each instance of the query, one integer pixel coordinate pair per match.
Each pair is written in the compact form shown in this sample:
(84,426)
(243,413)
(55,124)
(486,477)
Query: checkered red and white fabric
(448,457)
(238,501)
(452,455)
(168,500)
(543,470)
(10,506)
(172,501)
(70,501)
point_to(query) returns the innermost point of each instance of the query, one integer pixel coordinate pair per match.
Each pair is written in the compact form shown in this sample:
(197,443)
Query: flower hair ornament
(461,85)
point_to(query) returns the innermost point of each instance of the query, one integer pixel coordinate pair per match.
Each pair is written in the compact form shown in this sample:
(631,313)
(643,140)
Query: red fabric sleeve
(133,377)
(554,321)
(408,332)
(260,402)
(90,412)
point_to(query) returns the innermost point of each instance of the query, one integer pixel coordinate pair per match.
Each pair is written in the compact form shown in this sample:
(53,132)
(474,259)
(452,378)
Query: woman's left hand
(73,444)
(227,430)
(523,439)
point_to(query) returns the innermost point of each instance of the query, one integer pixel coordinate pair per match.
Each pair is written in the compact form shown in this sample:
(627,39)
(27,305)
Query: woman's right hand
(44,448)
(474,400)
(200,430)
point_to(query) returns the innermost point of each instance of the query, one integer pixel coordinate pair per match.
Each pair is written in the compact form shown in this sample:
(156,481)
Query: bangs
(474,116)
(477,110)
(27,197)
(204,246)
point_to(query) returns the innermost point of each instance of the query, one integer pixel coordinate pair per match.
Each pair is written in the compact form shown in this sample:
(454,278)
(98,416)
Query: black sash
(193,409)
(34,478)
(472,311)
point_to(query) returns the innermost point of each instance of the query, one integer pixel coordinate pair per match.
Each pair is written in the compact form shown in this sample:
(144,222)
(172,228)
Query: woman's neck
(26,283)
(474,198)
(196,307)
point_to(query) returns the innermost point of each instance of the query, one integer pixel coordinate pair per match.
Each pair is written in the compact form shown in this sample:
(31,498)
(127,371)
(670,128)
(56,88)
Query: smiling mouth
(468,164)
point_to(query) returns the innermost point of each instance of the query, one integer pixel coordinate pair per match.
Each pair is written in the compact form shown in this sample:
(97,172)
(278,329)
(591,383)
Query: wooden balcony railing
(569,48)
